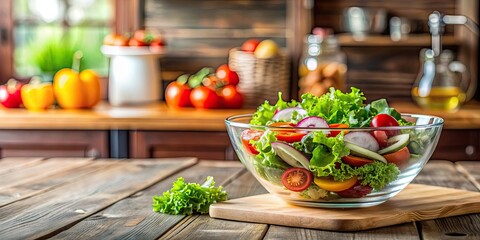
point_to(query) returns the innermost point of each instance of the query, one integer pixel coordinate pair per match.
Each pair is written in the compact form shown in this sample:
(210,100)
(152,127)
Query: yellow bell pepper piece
(37,96)
(74,90)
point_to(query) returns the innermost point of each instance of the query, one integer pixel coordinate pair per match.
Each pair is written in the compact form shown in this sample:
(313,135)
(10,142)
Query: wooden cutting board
(415,203)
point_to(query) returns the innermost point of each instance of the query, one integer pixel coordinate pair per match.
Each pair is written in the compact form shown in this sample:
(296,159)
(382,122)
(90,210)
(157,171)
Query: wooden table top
(66,198)
(158,116)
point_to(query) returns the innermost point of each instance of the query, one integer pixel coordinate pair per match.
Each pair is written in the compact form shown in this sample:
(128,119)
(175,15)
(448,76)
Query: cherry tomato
(381,137)
(327,183)
(204,97)
(355,161)
(337,125)
(248,135)
(385,120)
(287,133)
(250,45)
(398,157)
(231,98)
(178,95)
(227,75)
(296,179)
(356,191)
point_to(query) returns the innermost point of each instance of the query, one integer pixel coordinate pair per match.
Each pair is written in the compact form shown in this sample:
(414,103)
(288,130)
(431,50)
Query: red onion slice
(286,114)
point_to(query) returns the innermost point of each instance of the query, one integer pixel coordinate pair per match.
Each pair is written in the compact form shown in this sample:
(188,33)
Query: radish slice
(286,114)
(290,155)
(313,122)
(362,139)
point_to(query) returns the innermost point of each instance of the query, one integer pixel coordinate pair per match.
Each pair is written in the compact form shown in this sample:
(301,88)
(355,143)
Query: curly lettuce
(188,198)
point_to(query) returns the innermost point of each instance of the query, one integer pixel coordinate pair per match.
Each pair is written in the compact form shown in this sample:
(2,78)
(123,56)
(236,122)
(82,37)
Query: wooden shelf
(413,40)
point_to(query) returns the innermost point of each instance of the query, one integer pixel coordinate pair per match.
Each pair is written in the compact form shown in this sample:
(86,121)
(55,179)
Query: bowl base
(335,204)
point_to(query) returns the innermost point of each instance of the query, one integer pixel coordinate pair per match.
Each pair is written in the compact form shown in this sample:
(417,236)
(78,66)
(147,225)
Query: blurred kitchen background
(381,40)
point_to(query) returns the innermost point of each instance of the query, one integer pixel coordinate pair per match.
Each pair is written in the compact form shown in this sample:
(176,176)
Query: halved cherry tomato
(287,133)
(337,125)
(356,191)
(296,179)
(385,120)
(327,183)
(398,157)
(355,161)
(381,137)
(250,134)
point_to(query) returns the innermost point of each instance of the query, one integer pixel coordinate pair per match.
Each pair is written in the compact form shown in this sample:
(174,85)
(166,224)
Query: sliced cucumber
(362,152)
(395,143)
(290,155)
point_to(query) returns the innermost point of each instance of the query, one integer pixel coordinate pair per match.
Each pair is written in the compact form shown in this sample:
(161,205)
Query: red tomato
(398,157)
(204,97)
(144,37)
(250,45)
(10,94)
(159,42)
(337,125)
(296,179)
(385,120)
(231,98)
(178,95)
(135,43)
(227,75)
(356,191)
(355,161)
(287,135)
(248,135)
(381,138)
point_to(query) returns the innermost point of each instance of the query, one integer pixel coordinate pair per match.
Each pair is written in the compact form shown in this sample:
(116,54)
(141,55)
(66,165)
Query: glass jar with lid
(322,64)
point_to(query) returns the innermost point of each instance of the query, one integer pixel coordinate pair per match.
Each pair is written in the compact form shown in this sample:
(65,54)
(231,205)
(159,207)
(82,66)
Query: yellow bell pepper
(37,96)
(75,90)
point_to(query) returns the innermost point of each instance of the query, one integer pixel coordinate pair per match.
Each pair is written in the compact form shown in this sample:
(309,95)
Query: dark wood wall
(201,33)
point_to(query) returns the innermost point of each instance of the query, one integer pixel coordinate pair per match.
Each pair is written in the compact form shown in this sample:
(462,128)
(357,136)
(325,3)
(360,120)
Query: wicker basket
(261,79)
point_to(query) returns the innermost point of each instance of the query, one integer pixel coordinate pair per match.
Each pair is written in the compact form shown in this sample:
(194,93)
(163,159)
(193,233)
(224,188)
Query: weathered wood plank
(10,164)
(443,173)
(22,191)
(204,227)
(44,169)
(403,231)
(132,218)
(471,171)
(64,206)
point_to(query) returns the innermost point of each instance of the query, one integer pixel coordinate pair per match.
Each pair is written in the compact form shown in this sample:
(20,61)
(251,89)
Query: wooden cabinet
(53,143)
(457,145)
(214,145)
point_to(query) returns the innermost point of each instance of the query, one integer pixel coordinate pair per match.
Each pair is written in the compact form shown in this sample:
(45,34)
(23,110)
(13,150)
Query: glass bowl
(422,140)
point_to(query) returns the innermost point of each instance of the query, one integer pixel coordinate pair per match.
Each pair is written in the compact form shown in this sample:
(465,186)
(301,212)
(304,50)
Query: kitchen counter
(106,199)
(159,117)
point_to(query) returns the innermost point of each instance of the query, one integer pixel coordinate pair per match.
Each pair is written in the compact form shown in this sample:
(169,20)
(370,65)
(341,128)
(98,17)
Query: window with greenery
(48,32)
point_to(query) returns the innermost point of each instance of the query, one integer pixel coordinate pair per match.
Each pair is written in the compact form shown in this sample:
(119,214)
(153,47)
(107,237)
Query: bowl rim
(438,121)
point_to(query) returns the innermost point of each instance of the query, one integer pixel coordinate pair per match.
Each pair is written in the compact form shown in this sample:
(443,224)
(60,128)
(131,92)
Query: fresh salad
(331,163)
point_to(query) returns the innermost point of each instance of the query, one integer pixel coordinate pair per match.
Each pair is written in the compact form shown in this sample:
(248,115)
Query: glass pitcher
(442,83)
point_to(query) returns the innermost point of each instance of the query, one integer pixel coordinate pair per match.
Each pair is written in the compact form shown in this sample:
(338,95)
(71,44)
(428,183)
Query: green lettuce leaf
(188,198)
(377,174)
(267,156)
(336,106)
(327,156)
(265,112)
